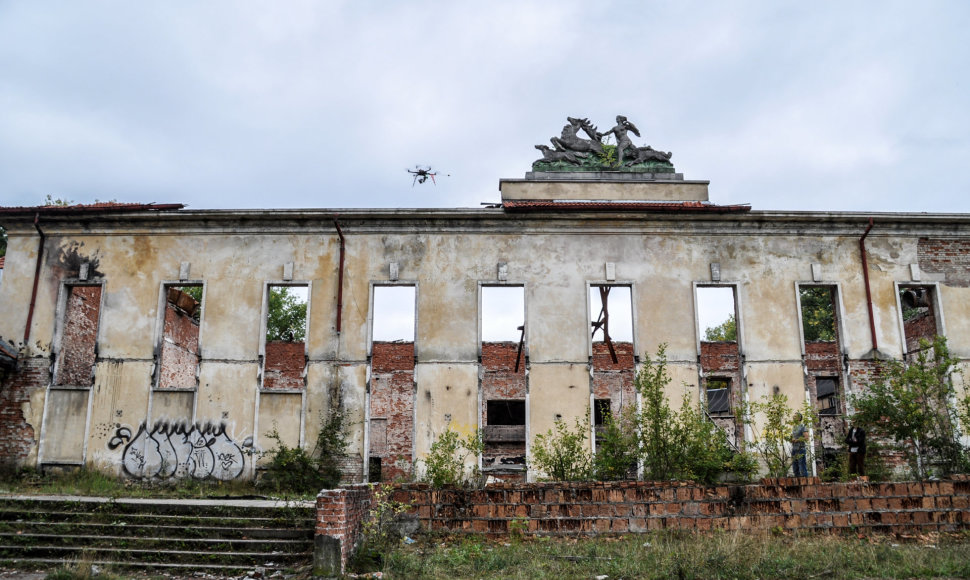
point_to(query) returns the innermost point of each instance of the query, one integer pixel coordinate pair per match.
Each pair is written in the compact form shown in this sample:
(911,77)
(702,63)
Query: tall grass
(671,555)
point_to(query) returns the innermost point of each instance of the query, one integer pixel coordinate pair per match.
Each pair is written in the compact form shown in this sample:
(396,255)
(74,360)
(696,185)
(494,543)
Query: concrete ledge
(565,188)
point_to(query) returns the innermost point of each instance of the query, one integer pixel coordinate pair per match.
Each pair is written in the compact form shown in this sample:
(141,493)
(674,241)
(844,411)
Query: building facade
(143,344)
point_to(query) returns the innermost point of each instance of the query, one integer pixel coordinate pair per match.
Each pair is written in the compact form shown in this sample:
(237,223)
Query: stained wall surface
(555,255)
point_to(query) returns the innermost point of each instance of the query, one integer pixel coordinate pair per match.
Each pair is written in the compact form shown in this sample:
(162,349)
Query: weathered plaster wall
(554,258)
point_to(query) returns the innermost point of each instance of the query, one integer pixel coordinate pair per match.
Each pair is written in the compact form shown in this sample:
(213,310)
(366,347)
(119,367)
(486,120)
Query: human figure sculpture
(623,141)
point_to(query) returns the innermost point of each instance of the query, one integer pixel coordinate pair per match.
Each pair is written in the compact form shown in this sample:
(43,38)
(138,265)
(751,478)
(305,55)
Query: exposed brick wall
(180,349)
(722,360)
(284,365)
(823,360)
(589,508)
(614,381)
(500,382)
(921,326)
(76,357)
(639,506)
(392,403)
(16,435)
(341,514)
(948,257)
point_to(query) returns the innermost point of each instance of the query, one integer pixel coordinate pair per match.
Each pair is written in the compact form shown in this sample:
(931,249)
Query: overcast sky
(784,105)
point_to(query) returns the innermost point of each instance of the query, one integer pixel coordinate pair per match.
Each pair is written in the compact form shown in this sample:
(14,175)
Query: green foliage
(608,156)
(286,319)
(743,464)
(818,313)
(445,463)
(563,454)
(676,444)
(379,535)
(773,440)
(724,332)
(295,470)
(56,201)
(911,405)
(616,449)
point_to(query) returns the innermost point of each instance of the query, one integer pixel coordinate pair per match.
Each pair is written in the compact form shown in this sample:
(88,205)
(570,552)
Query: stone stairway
(220,537)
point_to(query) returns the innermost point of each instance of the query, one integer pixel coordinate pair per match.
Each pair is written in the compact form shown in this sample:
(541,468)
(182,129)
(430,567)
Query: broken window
(503,379)
(178,351)
(918,305)
(718,396)
(284,349)
(720,356)
(391,426)
(75,361)
(613,361)
(823,364)
(69,397)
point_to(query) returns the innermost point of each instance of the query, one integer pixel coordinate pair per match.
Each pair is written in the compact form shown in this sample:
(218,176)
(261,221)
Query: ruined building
(139,337)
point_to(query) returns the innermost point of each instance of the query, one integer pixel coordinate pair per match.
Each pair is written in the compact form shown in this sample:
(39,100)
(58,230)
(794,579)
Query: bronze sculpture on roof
(574,153)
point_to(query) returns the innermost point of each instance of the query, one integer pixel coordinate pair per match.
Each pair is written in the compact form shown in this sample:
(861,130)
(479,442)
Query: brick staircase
(176,536)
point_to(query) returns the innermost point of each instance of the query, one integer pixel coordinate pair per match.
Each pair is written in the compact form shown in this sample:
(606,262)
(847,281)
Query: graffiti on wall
(167,449)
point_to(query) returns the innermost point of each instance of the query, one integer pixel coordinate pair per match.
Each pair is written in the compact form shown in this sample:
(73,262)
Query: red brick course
(948,257)
(180,349)
(16,434)
(284,365)
(589,508)
(392,401)
(75,364)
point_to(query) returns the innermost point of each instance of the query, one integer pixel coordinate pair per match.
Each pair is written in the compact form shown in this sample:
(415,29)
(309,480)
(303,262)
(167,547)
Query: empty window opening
(503,379)
(720,357)
(602,411)
(374,473)
(285,355)
(79,334)
(392,381)
(827,395)
(919,316)
(506,412)
(179,349)
(823,363)
(718,396)
(613,359)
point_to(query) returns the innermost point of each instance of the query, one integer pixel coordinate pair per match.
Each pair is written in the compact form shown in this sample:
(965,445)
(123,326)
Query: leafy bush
(445,463)
(379,532)
(294,469)
(911,404)
(616,449)
(676,444)
(563,454)
(773,441)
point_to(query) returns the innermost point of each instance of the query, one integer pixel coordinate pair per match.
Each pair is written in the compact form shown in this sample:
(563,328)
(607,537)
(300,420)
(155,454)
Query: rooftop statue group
(572,152)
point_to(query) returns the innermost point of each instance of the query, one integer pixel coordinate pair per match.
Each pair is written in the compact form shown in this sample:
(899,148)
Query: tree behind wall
(287,316)
(912,405)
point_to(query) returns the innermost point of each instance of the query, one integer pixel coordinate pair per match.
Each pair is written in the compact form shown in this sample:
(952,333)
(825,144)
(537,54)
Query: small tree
(772,441)
(445,463)
(616,447)
(724,332)
(562,453)
(286,318)
(682,444)
(912,404)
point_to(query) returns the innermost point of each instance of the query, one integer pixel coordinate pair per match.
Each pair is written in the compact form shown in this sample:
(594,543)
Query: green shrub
(563,454)
(682,444)
(445,463)
(296,470)
(616,448)
(911,404)
(773,440)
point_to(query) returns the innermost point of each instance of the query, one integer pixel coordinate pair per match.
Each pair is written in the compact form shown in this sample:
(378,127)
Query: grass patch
(677,555)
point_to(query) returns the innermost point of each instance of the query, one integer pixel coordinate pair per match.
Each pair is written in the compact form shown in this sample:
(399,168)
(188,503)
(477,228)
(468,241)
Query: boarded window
(827,389)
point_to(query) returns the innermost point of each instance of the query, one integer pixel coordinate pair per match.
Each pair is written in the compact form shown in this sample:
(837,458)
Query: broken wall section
(179,352)
(78,344)
(391,411)
(503,411)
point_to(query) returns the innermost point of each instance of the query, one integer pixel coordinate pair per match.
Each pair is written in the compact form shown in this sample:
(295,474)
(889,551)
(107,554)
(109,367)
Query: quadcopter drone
(422,173)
